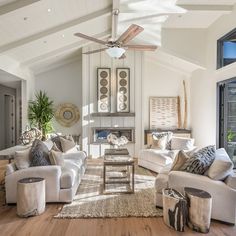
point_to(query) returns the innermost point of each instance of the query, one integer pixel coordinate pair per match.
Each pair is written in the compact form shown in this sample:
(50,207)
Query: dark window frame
(220,42)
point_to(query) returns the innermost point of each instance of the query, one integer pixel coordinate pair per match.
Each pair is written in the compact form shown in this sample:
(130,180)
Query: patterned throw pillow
(57,142)
(168,135)
(39,154)
(159,143)
(200,162)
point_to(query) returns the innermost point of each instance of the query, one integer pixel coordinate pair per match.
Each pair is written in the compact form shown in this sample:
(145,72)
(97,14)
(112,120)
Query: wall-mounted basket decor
(67,114)
(123,89)
(104,89)
(165,113)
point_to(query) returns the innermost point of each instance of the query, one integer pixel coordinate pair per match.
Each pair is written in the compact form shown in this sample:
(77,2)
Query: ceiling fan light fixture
(115,52)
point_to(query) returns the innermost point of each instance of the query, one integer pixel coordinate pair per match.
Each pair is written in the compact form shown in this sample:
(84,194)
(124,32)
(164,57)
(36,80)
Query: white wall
(203,84)
(160,80)
(63,85)
(90,64)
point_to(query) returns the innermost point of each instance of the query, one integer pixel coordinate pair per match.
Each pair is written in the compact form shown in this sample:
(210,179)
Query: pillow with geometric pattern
(201,160)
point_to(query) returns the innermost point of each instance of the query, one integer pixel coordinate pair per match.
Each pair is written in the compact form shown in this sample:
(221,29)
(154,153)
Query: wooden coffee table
(127,175)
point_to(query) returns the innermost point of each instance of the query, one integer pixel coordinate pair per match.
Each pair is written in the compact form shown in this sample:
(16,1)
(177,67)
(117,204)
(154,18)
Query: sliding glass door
(227,117)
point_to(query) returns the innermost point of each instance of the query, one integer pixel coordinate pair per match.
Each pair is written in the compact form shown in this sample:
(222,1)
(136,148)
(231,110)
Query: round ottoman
(30,197)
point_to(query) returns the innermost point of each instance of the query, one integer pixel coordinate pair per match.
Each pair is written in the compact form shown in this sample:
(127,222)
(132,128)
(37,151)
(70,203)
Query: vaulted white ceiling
(41,32)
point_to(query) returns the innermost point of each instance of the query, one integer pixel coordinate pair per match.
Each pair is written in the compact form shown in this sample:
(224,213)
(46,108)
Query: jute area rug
(90,202)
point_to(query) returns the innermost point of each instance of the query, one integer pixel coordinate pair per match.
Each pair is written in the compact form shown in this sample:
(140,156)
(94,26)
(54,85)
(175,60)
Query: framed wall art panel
(104,89)
(123,89)
(164,113)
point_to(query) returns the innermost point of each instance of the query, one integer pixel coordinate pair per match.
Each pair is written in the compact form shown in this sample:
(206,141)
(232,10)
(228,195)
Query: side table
(30,197)
(199,209)
(174,209)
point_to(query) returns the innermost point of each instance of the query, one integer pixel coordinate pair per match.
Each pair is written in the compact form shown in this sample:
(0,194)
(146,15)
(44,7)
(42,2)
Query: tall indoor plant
(40,113)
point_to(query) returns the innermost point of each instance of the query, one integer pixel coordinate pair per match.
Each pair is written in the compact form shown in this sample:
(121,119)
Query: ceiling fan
(116,47)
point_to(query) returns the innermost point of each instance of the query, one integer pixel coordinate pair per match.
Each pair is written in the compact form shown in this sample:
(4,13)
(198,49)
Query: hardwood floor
(46,225)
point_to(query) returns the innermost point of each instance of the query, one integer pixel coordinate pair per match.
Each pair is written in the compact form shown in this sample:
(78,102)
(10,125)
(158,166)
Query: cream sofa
(155,159)
(61,182)
(223,192)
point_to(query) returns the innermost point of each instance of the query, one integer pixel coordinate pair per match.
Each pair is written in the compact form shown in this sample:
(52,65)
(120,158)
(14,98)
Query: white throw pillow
(178,143)
(22,160)
(56,158)
(221,167)
(49,144)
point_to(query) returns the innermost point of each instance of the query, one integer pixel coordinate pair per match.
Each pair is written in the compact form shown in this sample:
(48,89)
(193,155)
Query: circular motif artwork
(103,82)
(103,106)
(122,98)
(103,90)
(122,106)
(122,74)
(123,82)
(103,74)
(123,90)
(67,114)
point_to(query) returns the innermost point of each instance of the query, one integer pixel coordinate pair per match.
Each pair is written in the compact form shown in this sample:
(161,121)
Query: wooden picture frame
(123,90)
(104,89)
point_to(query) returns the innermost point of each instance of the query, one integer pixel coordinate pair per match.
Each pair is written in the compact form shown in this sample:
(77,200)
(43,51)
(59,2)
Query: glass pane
(231,121)
(229,52)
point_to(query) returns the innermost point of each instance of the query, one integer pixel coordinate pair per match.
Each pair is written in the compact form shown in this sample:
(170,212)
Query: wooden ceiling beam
(13,6)
(80,20)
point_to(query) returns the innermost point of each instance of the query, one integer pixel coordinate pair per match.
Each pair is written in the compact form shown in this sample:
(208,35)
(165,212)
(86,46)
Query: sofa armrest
(231,180)
(10,168)
(75,155)
(51,174)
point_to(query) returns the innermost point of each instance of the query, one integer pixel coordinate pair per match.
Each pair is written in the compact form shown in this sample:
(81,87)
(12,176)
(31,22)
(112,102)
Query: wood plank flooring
(46,225)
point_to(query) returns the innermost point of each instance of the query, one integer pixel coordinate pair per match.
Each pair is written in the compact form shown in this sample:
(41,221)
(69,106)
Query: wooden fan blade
(123,56)
(141,47)
(95,51)
(90,38)
(129,34)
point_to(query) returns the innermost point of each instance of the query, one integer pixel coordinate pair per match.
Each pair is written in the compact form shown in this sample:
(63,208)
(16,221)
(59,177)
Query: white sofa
(155,159)
(61,182)
(223,192)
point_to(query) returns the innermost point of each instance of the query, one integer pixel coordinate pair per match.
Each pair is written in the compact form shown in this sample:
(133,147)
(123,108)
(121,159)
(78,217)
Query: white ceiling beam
(80,20)
(224,8)
(13,6)
(62,50)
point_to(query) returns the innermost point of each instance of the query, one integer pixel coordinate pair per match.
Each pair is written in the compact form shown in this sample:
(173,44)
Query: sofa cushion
(57,141)
(159,142)
(161,157)
(56,158)
(160,135)
(49,144)
(221,167)
(39,154)
(231,180)
(22,159)
(200,161)
(179,161)
(67,144)
(178,143)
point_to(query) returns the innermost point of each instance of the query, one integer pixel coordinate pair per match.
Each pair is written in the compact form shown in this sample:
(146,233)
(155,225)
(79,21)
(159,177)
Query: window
(226,49)
(227,117)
